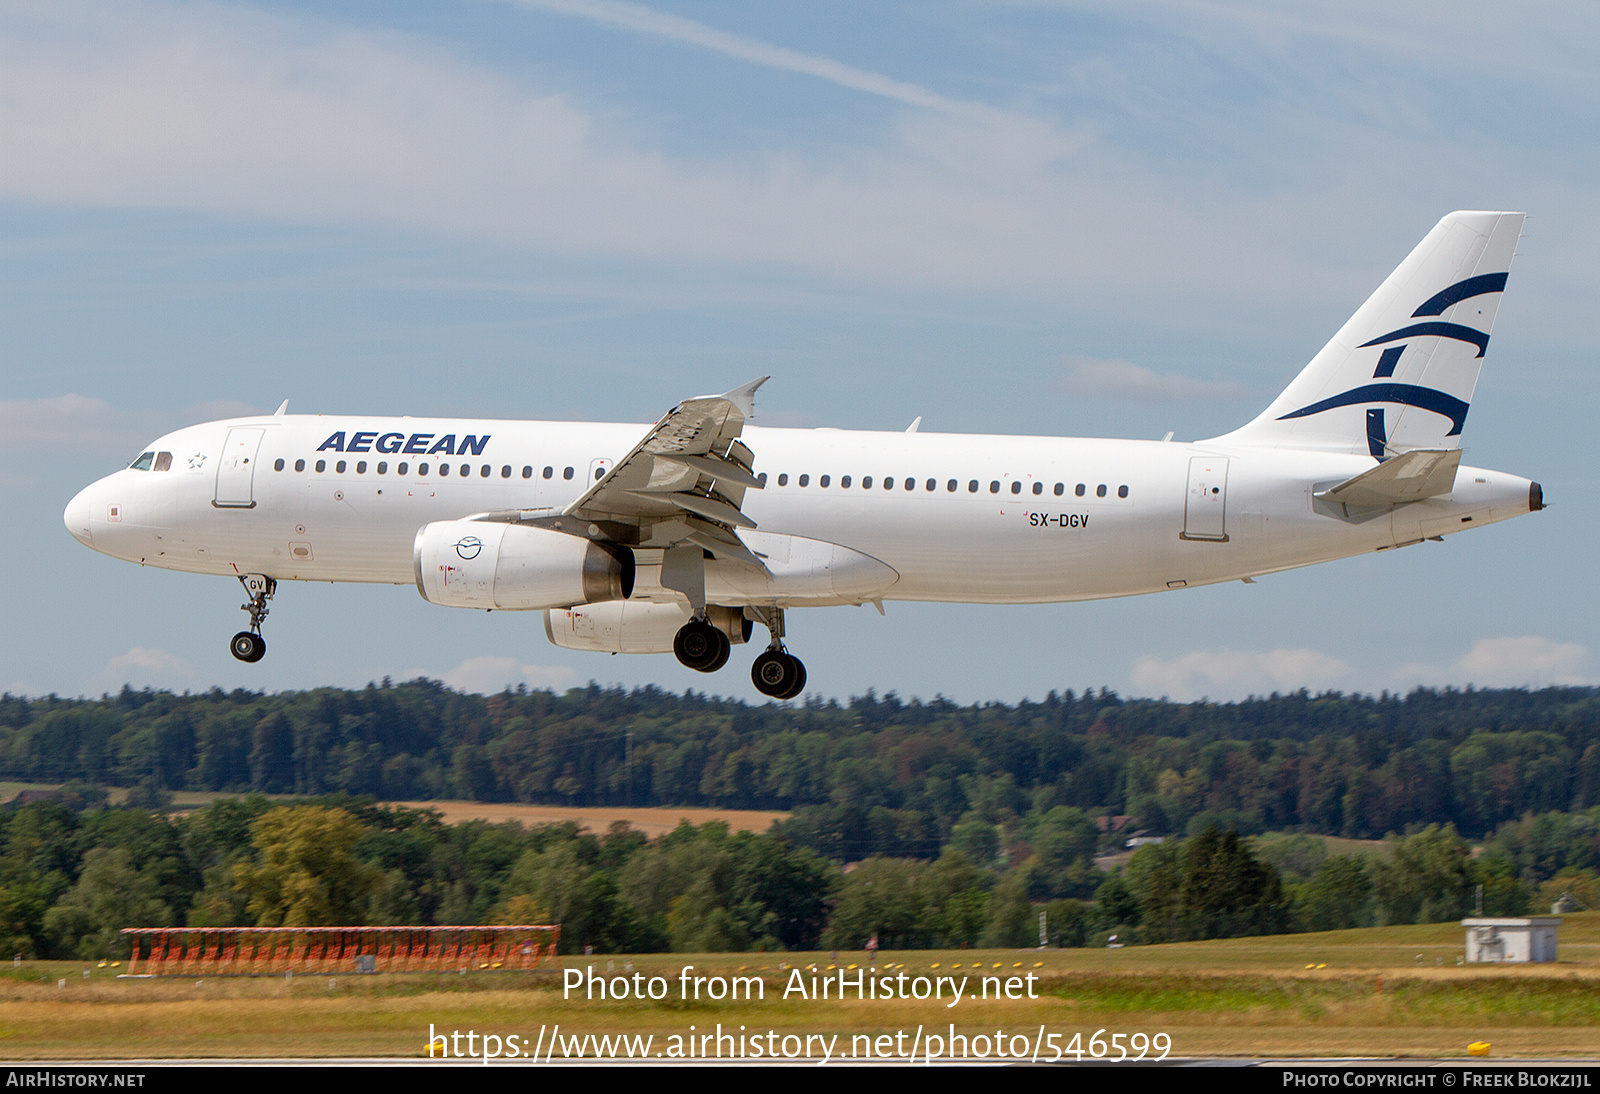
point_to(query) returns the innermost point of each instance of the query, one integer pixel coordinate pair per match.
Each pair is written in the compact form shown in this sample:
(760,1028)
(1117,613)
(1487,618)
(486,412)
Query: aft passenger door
(1205,504)
(236,470)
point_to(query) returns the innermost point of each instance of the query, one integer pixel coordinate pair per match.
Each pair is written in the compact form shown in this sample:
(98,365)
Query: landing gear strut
(777,672)
(701,646)
(249,646)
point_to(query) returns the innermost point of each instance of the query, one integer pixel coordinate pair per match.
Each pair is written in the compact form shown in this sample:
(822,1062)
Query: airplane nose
(77,518)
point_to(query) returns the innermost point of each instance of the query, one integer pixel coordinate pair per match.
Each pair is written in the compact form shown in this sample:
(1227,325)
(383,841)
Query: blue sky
(1057,218)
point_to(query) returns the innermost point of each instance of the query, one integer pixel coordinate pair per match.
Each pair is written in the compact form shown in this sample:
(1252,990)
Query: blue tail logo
(1425,398)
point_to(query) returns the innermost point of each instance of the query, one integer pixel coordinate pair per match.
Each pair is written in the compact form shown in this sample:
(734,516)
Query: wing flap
(691,464)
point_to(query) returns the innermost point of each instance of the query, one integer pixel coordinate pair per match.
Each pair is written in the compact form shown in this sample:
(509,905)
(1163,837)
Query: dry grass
(1236,997)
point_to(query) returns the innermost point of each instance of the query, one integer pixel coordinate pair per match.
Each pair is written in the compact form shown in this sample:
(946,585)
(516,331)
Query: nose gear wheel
(248,646)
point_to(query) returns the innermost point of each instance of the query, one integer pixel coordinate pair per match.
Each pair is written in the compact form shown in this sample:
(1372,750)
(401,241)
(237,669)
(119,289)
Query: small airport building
(1503,940)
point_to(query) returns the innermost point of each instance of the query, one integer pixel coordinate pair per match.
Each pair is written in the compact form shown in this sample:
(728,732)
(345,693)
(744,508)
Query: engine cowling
(512,567)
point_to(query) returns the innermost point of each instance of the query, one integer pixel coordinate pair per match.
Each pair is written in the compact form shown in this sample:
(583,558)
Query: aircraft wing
(684,482)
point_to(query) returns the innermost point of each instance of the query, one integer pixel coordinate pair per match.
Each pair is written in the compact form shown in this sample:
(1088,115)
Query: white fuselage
(1030,519)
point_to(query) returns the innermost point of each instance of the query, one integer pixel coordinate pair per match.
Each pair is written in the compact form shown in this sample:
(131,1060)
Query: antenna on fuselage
(283,408)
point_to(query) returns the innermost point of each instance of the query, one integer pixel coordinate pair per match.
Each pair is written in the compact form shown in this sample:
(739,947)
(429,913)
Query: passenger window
(465,470)
(866,482)
(1016,487)
(805,480)
(599,473)
(400,469)
(505,472)
(163,461)
(339,467)
(1038,488)
(1100,491)
(1122,491)
(888,482)
(299,465)
(422,469)
(1079,490)
(823,481)
(911,484)
(483,472)
(972,487)
(567,474)
(783,479)
(762,478)
(361,467)
(933,484)
(844,482)
(994,486)
(1060,488)
(278,465)
(322,465)
(527,472)
(549,471)
(383,467)
(951,486)
(444,469)
(143,462)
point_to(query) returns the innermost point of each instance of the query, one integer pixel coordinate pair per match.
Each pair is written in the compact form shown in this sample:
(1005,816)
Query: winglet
(912,428)
(745,397)
(283,408)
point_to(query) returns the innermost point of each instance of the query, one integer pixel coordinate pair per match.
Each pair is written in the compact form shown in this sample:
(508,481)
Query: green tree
(306,871)
(1338,896)
(1428,880)
(110,895)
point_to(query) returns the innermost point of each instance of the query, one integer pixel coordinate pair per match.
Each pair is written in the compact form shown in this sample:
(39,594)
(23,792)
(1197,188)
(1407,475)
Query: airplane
(686,534)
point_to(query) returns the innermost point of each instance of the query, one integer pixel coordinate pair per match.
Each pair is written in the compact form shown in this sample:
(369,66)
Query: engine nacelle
(635,626)
(513,567)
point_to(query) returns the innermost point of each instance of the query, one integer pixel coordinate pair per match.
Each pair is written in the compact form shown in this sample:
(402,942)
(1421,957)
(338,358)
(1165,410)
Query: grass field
(1394,992)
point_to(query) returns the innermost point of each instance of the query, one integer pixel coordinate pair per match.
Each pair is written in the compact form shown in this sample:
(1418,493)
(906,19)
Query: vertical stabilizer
(1400,373)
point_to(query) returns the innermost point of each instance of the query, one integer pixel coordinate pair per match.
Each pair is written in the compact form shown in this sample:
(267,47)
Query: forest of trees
(927,824)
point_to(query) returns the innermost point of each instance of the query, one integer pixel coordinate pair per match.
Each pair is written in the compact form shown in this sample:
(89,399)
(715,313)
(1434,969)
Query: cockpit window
(163,461)
(143,462)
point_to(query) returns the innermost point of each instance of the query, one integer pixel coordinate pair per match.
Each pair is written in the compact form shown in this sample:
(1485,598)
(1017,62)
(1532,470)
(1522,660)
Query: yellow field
(1383,992)
(652,821)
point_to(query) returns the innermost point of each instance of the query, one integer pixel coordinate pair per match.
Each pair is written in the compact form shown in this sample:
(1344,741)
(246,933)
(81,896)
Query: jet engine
(635,626)
(513,567)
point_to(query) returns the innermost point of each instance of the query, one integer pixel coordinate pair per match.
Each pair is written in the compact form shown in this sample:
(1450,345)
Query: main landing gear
(249,646)
(704,647)
(701,646)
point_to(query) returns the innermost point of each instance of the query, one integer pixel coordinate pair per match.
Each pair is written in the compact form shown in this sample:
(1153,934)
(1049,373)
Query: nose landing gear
(249,646)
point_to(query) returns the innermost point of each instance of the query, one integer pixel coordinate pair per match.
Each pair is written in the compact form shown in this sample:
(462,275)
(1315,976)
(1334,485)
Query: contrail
(637,17)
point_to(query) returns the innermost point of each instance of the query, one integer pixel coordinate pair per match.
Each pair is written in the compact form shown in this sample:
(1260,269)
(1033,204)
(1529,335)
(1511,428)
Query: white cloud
(149,105)
(1235,674)
(1526,661)
(1099,378)
(489,674)
(145,666)
(65,421)
(90,426)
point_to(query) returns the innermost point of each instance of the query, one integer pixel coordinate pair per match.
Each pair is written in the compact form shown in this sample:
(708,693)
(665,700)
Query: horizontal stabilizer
(1410,476)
